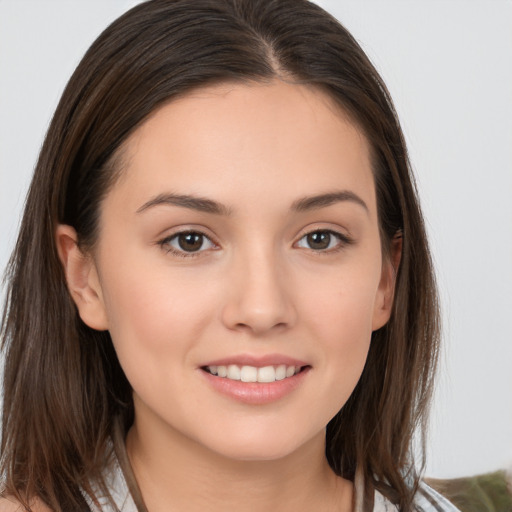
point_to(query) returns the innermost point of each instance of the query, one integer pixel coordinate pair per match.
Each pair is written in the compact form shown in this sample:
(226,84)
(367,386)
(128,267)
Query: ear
(386,291)
(82,278)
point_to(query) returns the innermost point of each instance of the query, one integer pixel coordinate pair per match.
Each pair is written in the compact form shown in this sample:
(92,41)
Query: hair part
(67,403)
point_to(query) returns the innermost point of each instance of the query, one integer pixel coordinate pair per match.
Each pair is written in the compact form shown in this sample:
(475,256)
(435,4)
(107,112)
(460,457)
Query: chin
(263,447)
(256,454)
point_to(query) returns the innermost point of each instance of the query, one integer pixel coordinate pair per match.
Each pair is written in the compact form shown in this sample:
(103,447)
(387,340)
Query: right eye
(187,243)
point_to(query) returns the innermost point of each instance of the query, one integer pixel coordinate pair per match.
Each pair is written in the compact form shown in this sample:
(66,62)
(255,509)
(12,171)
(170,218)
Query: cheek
(345,328)
(339,315)
(153,313)
(156,321)
(341,304)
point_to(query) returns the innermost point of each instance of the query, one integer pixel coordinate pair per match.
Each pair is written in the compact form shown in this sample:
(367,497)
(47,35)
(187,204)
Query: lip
(256,393)
(258,361)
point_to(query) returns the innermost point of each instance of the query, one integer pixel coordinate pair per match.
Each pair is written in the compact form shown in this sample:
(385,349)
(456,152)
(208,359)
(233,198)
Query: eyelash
(343,241)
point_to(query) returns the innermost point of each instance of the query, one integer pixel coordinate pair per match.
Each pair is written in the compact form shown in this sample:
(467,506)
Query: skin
(256,286)
(9,504)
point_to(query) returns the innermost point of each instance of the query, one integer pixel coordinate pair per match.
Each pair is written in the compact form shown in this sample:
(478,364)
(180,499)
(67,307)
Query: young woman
(221,297)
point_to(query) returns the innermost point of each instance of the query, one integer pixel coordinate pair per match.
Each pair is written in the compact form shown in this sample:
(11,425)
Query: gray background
(448,65)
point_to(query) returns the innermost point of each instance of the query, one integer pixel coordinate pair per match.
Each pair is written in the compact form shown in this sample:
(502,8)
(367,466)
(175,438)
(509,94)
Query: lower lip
(256,393)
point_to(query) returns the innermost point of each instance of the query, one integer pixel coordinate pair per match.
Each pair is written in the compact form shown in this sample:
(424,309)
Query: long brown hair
(66,399)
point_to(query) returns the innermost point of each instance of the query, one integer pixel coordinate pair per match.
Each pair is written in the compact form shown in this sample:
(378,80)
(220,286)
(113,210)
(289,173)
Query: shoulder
(11,504)
(429,500)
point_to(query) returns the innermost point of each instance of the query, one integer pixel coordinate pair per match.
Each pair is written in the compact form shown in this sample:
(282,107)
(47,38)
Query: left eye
(321,240)
(188,242)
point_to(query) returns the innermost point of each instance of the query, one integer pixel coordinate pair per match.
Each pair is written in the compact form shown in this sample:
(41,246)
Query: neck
(176,472)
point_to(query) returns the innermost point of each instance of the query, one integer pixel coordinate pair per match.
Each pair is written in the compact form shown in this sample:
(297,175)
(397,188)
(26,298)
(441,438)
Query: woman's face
(242,239)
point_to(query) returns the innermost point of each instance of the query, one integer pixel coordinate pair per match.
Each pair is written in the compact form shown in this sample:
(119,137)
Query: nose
(259,296)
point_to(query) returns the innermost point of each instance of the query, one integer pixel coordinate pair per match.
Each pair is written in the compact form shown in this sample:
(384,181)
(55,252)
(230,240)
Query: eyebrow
(323,200)
(205,205)
(201,204)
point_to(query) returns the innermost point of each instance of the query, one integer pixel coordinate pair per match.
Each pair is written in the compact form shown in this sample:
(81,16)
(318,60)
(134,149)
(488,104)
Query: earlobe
(386,292)
(82,278)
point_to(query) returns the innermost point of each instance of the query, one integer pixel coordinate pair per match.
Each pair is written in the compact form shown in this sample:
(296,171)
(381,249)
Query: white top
(426,500)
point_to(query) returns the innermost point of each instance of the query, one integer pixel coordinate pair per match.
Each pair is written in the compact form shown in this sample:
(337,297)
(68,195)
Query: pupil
(319,240)
(190,241)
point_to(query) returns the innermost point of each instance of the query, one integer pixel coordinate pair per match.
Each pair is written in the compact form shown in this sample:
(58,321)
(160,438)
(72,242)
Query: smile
(247,373)
(256,382)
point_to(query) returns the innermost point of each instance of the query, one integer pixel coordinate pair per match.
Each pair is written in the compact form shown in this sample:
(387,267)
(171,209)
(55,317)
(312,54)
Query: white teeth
(233,372)
(266,374)
(281,372)
(249,374)
(254,374)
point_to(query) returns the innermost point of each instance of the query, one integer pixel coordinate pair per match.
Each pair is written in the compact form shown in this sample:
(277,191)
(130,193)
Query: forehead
(255,138)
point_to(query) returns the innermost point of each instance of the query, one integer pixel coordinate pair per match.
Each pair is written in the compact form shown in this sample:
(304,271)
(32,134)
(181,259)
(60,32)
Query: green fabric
(482,493)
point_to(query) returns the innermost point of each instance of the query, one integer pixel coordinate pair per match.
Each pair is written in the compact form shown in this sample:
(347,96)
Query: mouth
(246,373)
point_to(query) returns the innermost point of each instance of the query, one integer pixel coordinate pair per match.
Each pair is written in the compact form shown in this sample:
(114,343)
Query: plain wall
(448,65)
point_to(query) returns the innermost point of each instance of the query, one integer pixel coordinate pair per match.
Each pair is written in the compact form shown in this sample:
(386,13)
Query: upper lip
(257,361)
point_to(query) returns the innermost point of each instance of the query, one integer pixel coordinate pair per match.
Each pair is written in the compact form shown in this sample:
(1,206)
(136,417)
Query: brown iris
(190,242)
(319,239)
